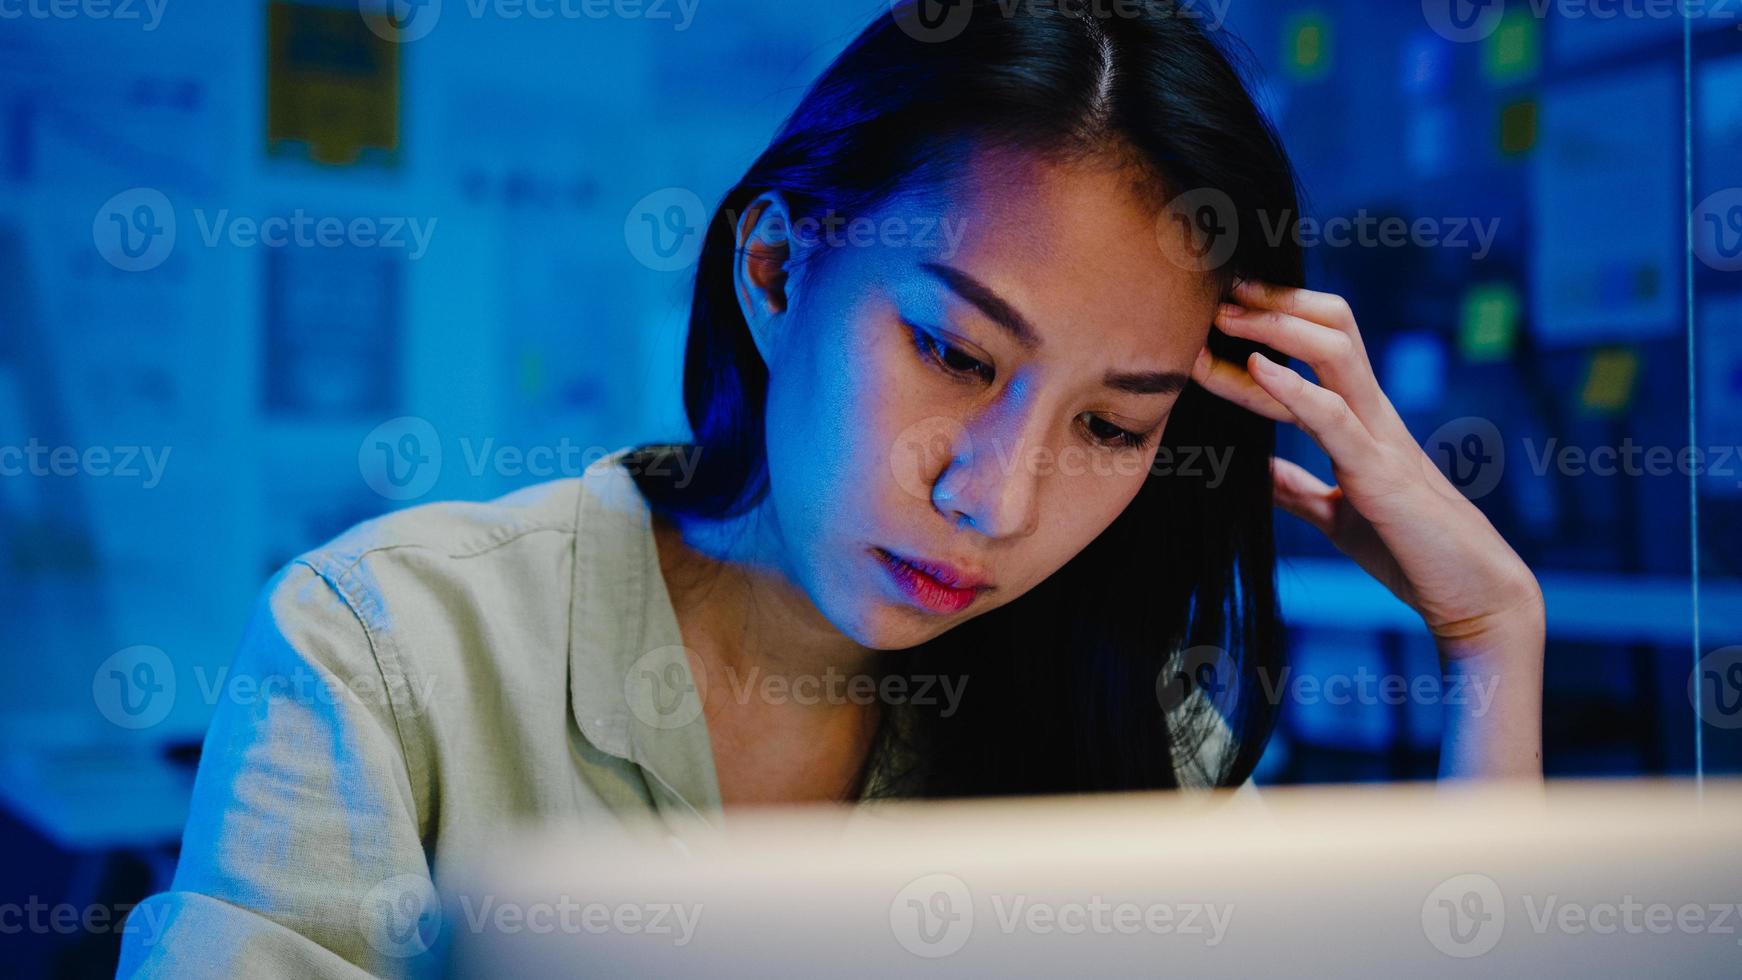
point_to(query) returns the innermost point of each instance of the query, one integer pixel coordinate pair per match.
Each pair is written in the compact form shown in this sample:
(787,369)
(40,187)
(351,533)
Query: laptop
(1595,878)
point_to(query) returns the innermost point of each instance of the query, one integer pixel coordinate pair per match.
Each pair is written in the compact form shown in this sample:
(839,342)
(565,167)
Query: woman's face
(977,382)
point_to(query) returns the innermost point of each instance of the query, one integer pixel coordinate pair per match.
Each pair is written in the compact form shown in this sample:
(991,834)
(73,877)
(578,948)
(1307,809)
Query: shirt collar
(630,682)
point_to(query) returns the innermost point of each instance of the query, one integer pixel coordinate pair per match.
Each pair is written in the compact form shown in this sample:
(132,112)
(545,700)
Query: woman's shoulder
(444,548)
(449,529)
(441,589)
(458,623)
(417,599)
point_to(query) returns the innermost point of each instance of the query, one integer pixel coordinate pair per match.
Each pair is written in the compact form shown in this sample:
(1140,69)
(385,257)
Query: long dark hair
(1071,685)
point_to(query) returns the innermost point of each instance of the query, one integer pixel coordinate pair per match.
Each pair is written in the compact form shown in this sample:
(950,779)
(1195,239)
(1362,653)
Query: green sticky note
(1488,330)
(1307,42)
(1513,51)
(1608,388)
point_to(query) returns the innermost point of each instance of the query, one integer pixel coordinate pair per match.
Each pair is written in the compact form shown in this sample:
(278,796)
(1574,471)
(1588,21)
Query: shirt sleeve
(303,855)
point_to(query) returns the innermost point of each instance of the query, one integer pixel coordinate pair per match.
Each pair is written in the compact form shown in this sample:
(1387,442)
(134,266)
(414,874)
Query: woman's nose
(988,482)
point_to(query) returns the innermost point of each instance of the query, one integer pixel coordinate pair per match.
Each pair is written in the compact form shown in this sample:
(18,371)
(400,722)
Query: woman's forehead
(1073,245)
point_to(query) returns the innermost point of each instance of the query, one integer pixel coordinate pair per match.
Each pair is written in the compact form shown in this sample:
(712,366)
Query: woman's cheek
(906,423)
(1095,497)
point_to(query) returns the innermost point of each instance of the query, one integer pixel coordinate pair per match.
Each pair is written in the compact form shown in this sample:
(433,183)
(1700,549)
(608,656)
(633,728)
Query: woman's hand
(1394,513)
(1399,517)
(1392,510)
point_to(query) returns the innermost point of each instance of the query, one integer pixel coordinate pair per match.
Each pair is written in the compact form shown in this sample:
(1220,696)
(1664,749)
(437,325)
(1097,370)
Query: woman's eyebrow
(1017,326)
(1147,382)
(989,303)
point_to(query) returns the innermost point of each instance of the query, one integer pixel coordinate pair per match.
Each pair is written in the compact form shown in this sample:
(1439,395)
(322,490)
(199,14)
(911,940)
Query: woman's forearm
(1495,731)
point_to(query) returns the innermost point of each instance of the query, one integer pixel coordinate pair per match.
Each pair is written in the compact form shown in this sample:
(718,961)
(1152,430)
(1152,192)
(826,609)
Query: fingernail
(1229,309)
(1202,364)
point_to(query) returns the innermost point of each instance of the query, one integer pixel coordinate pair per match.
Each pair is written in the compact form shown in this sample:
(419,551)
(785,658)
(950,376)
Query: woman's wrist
(1517,626)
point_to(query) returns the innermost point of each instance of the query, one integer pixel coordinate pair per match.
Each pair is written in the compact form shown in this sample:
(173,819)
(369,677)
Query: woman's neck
(739,607)
(781,687)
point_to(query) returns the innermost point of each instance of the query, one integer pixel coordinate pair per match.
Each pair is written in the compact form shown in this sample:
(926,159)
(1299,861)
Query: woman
(934,536)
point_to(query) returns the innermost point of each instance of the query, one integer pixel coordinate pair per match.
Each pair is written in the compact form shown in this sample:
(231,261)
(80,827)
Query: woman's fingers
(1228,380)
(1319,329)
(1320,411)
(1326,308)
(1346,413)
(1314,343)
(1304,495)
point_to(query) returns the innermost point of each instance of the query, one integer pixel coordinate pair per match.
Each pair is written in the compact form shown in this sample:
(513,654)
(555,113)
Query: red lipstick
(936,586)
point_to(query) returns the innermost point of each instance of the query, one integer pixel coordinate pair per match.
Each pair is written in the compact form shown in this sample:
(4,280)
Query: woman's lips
(924,582)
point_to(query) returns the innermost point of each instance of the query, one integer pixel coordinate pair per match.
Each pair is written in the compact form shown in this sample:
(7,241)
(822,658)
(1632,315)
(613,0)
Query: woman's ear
(762,270)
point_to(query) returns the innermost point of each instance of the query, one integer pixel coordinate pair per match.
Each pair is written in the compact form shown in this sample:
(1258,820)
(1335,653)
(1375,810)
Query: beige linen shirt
(412,689)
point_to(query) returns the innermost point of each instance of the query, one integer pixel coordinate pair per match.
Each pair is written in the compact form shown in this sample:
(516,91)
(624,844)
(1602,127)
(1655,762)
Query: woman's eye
(952,359)
(949,357)
(1108,434)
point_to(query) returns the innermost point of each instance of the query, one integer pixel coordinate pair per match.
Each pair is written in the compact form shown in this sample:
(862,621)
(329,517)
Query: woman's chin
(883,625)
